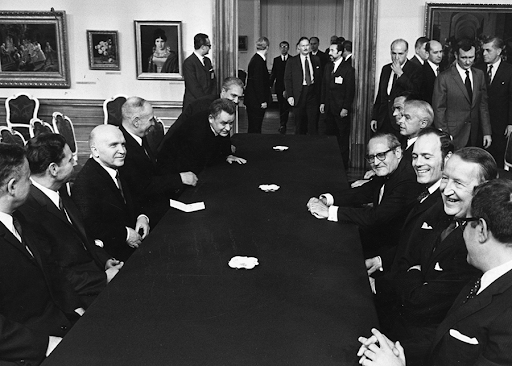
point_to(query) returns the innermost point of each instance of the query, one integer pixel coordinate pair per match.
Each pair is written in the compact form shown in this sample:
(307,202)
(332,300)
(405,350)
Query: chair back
(11,137)
(155,135)
(20,109)
(37,127)
(63,125)
(112,110)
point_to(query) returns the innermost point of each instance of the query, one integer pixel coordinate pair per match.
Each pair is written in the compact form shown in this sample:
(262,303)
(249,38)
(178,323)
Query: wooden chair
(20,109)
(112,109)
(37,127)
(155,135)
(9,136)
(63,125)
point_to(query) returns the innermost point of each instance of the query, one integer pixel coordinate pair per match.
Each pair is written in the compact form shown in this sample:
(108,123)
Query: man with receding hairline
(431,69)
(416,116)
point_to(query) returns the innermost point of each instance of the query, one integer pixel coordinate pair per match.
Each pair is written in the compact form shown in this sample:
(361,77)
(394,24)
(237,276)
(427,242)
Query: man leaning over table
(104,199)
(476,330)
(391,193)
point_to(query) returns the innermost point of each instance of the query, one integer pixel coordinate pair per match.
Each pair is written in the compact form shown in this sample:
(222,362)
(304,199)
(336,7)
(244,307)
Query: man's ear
(52,168)
(95,152)
(448,156)
(482,231)
(11,186)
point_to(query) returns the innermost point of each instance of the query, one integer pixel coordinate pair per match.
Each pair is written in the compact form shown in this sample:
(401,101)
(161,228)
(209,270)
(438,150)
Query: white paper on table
(269,187)
(243,262)
(280,148)
(191,207)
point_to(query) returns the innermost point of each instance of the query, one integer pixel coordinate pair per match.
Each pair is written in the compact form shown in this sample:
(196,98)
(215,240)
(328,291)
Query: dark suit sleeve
(288,79)
(497,350)
(484,108)
(379,99)
(351,89)
(192,84)
(273,73)
(439,102)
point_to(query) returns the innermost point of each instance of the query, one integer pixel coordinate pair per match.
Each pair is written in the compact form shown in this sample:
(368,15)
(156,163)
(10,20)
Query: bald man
(104,198)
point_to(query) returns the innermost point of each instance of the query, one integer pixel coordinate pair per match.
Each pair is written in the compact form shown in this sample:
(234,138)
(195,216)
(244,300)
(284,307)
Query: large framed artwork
(159,50)
(34,49)
(103,49)
(447,23)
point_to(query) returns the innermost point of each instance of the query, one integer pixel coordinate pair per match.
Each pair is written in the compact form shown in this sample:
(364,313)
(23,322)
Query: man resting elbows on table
(392,193)
(204,140)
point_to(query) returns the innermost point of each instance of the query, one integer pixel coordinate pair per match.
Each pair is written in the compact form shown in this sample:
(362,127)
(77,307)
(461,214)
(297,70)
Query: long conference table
(177,302)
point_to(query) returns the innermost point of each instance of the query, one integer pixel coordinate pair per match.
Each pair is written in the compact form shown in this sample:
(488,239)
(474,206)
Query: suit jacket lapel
(47,204)
(110,183)
(12,240)
(458,80)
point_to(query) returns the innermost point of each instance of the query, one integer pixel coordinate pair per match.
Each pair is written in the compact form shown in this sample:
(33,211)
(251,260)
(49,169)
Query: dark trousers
(255,119)
(306,112)
(340,127)
(284,108)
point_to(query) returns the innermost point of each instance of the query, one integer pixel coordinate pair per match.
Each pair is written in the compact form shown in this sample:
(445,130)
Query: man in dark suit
(257,92)
(431,69)
(338,90)
(37,308)
(499,90)
(420,53)
(232,89)
(202,141)
(460,100)
(392,193)
(395,78)
(347,52)
(477,328)
(198,71)
(103,196)
(150,187)
(435,269)
(302,85)
(54,216)
(277,76)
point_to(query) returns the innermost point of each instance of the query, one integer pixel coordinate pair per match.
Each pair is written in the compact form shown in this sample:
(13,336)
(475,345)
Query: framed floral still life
(103,49)
(159,50)
(34,49)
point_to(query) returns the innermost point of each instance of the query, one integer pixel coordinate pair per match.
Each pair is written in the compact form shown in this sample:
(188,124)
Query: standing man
(338,90)
(257,92)
(420,53)
(499,90)
(395,78)
(198,71)
(431,69)
(460,100)
(302,84)
(347,52)
(277,75)
(314,42)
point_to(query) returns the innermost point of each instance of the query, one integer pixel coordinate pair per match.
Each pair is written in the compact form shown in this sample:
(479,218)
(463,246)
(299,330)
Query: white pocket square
(463,338)
(426,226)
(437,267)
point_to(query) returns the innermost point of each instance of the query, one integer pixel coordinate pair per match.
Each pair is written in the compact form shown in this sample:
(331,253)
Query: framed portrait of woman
(159,50)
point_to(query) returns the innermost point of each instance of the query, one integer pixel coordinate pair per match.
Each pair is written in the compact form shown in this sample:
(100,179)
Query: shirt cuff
(329,199)
(142,215)
(380,263)
(333,213)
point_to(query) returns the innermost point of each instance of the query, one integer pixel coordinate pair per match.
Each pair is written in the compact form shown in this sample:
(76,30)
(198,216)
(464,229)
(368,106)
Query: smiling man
(391,193)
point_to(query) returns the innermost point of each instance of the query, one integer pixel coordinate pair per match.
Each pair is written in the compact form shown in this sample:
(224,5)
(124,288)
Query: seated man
(104,199)
(202,141)
(36,307)
(54,216)
(150,187)
(232,89)
(434,270)
(392,193)
(476,330)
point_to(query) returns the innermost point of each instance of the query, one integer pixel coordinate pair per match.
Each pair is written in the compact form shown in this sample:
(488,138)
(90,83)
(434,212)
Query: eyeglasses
(463,221)
(208,45)
(381,156)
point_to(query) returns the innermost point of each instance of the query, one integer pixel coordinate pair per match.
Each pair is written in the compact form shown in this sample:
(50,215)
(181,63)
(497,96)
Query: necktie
(437,71)
(473,290)
(19,231)
(146,148)
(423,195)
(453,225)
(489,75)
(468,86)
(120,186)
(307,71)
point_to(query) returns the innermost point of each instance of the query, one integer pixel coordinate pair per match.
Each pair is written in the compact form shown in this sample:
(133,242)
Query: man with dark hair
(53,216)
(392,192)
(198,71)
(420,54)
(477,329)
(257,92)
(431,69)
(460,100)
(338,90)
(334,38)
(202,141)
(395,78)
(277,75)
(347,52)
(302,77)
(314,42)
(37,307)
(499,90)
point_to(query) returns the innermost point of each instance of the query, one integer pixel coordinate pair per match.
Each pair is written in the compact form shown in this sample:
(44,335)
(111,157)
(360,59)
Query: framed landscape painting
(158,50)
(103,49)
(34,49)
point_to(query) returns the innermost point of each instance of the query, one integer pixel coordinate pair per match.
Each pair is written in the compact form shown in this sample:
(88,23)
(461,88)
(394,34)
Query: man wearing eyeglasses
(435,269)
(391,193)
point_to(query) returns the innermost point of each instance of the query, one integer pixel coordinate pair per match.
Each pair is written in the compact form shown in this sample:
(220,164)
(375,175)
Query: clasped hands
(134,238)
(318,208)
(379,350)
